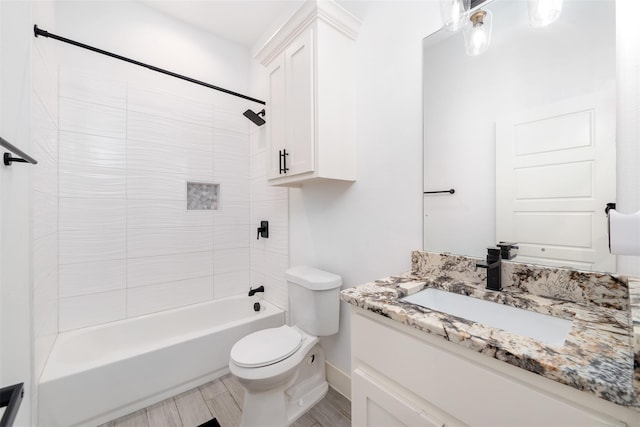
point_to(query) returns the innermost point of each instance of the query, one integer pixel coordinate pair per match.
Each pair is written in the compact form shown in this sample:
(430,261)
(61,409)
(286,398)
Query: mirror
(525,135)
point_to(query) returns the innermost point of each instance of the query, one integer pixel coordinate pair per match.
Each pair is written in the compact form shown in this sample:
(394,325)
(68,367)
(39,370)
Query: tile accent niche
(128,243)
(202,196)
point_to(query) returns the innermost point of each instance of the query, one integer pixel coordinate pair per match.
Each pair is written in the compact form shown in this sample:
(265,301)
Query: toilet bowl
(283,369)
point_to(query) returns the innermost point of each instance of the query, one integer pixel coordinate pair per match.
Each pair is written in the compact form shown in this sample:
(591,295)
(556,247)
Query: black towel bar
(451,191)
(10,397)
(8,159)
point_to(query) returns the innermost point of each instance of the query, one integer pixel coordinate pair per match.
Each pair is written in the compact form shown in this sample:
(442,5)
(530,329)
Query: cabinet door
(376,405)
(300,112)
(276,119)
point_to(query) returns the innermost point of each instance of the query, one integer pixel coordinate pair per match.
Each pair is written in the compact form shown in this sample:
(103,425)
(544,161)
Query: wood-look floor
(223,399)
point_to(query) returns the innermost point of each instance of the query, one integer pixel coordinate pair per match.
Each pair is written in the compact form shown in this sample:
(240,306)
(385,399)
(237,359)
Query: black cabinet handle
(283,161)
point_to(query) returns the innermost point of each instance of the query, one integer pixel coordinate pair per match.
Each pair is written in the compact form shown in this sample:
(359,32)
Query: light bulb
(478,39)
(477,33)
(453,13)
(544,12)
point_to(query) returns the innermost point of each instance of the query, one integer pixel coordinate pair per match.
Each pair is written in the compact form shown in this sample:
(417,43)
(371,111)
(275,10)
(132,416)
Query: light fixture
(453,13)
(544,12)
(477,32)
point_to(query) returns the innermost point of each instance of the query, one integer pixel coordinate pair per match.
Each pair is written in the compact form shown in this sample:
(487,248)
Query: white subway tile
(93,309)
(233,189)
(232,212)
(232,283)
(269,263)
(276,211)
(82,86)
(231,236)
(276,290)
(92,277)
(164,159)
(232,119)
(85,117)
(45,176)
(147,299)
(45,82)
(229,260)
(258,165)
(170,106)
(277,243)
(91,182)
(90,214)
(165,213)
(261,192)
(151,130)
(145,185)
(168,268)
(92,150)
(45,264)
(233,143)
(145,242)
(44,131)
(45,214)
(45,150)
(91,245)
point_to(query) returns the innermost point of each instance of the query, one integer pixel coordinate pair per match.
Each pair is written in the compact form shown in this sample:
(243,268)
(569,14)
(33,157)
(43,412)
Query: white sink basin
(547,329)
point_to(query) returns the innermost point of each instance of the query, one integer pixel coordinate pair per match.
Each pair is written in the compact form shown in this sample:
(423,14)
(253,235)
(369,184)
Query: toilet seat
(266,347)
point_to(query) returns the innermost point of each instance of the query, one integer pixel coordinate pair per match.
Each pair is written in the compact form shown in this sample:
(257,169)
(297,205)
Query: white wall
(16,333)
(366,230)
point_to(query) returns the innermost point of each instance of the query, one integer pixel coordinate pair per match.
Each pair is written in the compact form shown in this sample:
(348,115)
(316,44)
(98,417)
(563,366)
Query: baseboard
(338,380)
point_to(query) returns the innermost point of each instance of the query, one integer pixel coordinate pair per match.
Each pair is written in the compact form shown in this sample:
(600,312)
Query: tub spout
(252,291)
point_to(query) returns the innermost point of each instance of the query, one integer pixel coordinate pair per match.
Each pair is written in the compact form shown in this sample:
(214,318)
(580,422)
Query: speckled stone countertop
(599,353)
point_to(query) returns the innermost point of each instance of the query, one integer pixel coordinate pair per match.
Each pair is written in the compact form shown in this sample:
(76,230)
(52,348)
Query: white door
(276,117)
(555,173)
(300,88)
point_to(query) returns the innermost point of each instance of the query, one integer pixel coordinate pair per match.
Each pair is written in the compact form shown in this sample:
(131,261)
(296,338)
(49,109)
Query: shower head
(255,117)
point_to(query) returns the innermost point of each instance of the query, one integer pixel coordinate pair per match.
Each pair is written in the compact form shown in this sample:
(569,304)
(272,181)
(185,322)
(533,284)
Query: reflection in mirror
(525,134)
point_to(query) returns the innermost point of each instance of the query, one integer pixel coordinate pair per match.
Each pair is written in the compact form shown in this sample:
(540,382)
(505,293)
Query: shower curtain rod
(39,32)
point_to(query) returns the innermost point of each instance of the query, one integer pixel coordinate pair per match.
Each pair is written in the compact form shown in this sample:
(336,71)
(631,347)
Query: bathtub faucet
(252,291)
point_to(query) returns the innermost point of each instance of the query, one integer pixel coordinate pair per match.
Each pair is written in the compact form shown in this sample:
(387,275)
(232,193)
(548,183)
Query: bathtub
(102,372)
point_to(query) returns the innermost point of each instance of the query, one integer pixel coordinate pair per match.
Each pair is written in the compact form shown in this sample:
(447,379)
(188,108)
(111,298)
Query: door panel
(299,103)
(276,119)
(553,181)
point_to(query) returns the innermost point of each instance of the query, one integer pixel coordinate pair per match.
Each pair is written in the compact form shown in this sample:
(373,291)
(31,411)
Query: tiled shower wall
(269,257)
(44,121)
(127,243)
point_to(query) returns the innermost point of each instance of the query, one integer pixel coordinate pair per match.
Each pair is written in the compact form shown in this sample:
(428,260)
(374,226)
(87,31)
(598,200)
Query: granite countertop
(597,357)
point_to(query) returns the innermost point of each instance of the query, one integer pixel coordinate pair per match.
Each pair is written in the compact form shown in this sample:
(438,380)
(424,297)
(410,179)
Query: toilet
(283,369)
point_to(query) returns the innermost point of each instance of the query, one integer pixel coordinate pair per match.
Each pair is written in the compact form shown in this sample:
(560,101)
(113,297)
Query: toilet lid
(266,347)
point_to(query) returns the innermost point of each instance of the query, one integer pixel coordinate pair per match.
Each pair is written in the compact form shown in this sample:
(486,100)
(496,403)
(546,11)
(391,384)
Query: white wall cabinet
(403,377)
(310,65)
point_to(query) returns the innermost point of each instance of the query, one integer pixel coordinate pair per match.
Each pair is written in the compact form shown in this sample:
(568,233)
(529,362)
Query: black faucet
(508,250)
(493,266)
(252,291)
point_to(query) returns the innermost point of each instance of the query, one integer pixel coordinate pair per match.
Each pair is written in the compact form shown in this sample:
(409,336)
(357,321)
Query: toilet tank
(314,300)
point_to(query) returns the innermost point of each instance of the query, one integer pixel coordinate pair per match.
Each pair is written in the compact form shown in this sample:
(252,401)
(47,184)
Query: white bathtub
(99,373)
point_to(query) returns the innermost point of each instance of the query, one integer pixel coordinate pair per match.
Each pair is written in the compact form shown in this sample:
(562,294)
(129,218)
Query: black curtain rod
(38,32)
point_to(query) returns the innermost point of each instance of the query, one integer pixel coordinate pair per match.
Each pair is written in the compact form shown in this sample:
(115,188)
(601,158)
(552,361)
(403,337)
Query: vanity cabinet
(310,65)
(402,376)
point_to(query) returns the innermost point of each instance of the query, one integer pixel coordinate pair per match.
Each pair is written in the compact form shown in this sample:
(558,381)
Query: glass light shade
(544,12)
(477,32)
(454,13)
